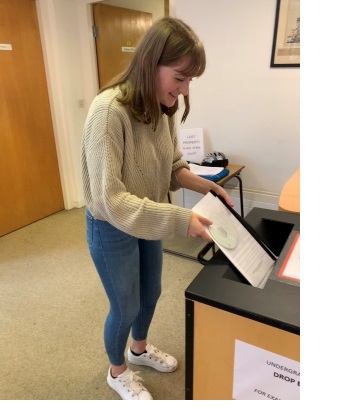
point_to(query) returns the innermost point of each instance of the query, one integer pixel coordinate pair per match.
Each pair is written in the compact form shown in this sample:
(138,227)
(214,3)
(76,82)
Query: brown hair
(166,42)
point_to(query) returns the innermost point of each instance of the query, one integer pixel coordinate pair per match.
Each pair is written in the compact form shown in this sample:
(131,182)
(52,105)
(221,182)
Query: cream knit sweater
(128,169)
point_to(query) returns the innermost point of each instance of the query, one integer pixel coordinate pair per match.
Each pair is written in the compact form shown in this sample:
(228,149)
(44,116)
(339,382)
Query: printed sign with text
(263,375)
(192,144)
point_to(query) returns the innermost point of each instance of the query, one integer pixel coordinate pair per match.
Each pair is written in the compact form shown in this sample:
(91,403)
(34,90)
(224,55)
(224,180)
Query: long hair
(166,42)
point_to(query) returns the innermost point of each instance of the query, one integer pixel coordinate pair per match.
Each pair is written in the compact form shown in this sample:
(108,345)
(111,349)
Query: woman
(130,161)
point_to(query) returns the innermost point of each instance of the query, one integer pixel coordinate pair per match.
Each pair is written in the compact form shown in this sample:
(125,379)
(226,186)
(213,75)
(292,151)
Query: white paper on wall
(192,144)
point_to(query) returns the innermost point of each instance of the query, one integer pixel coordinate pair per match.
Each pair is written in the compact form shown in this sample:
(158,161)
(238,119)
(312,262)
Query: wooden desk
(289,200)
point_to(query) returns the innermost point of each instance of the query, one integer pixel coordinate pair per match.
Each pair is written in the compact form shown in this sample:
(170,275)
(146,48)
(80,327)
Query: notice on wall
(192,144)
(5,47)
(263,375)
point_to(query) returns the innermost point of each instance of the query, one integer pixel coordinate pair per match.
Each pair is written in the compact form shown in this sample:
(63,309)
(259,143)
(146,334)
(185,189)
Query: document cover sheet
(236,242)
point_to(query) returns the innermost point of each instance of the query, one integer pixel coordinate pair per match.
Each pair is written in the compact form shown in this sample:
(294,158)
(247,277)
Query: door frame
(68,126)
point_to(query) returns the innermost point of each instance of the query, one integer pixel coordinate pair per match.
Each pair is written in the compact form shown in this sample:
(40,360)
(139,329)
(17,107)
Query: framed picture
(286,37)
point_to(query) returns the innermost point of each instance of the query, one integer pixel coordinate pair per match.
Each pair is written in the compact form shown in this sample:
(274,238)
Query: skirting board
(78,204)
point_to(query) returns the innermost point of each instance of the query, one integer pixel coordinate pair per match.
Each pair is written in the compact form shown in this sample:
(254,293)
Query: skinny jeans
(130,270)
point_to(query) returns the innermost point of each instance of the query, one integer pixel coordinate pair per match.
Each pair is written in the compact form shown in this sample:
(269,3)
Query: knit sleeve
(107,196)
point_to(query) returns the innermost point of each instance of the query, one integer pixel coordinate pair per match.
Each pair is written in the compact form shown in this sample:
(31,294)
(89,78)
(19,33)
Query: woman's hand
(222,193)
(197,228)
(189,180)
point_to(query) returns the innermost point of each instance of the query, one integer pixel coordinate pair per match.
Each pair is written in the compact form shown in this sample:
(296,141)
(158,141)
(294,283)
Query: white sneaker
(154,358)
(127,385)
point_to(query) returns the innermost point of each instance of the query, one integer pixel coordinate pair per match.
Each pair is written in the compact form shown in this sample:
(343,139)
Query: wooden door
(30,186)
(118,32)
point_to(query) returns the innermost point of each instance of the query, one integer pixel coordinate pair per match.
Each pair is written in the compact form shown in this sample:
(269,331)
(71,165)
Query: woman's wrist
(213,186)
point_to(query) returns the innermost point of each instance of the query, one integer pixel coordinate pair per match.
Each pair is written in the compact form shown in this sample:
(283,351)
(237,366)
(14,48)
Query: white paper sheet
(205,170)
(248,256)
(263,375)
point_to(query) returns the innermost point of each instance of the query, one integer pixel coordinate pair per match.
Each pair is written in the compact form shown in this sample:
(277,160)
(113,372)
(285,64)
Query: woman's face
(171,83)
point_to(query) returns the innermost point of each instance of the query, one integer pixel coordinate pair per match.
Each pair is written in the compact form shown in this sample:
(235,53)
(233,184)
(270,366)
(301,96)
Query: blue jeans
(131,273)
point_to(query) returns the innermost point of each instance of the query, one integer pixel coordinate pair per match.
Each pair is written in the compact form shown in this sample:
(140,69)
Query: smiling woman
(171,83)
(169,45)
(130,161)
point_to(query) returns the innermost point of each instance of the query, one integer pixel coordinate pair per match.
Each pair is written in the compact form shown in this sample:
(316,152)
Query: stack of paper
(205,170)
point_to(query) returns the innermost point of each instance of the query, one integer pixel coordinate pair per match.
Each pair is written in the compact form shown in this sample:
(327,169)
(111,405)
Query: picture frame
(286,36)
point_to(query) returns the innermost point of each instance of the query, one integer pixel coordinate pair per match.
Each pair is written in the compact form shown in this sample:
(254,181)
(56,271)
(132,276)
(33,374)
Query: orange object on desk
(289,199)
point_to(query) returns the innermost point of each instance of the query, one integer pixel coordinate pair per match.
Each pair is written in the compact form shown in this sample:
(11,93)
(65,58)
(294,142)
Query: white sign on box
(263,375)
(192,144)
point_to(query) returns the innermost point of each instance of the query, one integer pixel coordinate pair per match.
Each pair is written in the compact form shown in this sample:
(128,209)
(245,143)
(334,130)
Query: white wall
(70,59)
(247,109)
(68,69)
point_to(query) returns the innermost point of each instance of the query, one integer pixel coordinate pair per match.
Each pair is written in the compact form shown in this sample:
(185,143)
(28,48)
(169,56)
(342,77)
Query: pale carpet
(52,309)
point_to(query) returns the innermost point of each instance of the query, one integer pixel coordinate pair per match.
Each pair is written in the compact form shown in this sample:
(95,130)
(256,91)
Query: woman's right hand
(197,228)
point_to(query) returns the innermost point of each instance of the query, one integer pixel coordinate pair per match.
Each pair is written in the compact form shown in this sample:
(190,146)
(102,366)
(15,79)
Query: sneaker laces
(132,382)
(156,353)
